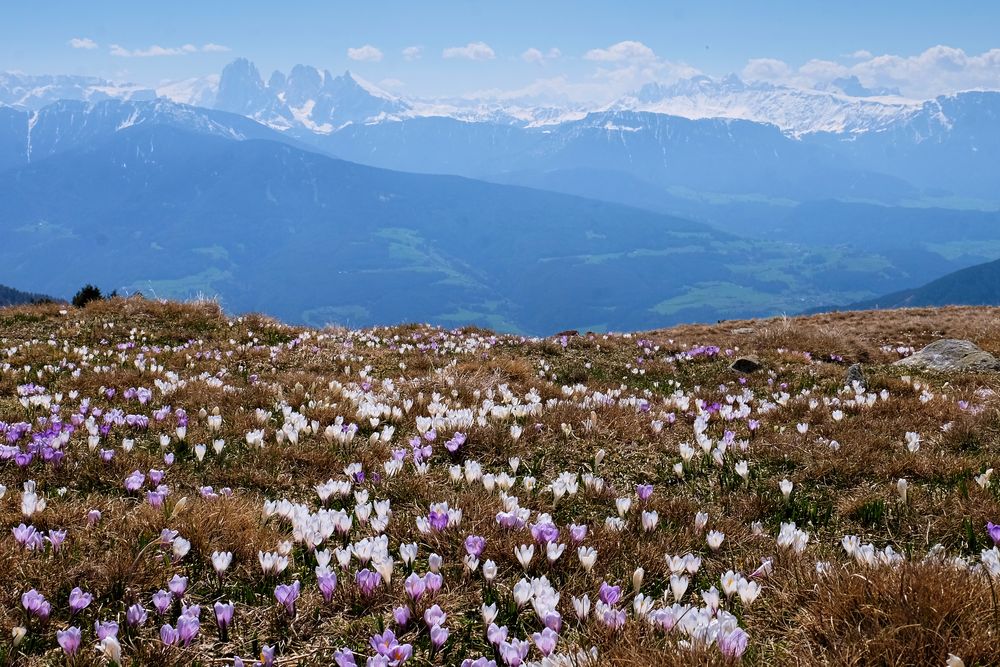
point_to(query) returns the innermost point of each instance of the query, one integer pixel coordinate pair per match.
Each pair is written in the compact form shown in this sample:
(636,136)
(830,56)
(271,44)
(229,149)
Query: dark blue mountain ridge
(267,226)
(977,285)
(27,136)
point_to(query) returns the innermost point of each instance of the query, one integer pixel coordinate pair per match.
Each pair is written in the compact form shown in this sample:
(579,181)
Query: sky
(578,51)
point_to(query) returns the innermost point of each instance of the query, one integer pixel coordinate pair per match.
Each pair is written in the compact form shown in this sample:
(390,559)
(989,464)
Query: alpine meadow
(503,334)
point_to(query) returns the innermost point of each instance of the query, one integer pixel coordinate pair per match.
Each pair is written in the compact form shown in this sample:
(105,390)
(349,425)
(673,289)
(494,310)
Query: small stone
(747,364)
(855,374)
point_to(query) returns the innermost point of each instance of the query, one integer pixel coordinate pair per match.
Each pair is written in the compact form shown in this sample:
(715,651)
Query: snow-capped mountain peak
(796,111)
(25,91)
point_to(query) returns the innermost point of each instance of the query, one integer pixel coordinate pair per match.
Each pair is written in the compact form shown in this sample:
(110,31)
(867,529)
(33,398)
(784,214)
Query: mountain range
(973,286)
(689,201)
(12,297)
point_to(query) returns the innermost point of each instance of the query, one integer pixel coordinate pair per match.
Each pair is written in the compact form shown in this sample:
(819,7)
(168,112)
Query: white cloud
(861,54)
(471,51)
(156,50)
(83,43)
(366,53)
(936,71)
(766,69)
(627,50)
(391,83)
(413,52)
(534,55)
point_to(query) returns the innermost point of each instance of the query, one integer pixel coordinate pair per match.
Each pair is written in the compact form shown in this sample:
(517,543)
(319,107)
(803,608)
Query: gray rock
(747,364)
(950,355)
(855,374)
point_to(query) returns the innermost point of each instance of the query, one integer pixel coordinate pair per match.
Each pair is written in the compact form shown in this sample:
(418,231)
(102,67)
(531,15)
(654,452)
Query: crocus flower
(474,545)
(367,581)
(69,640)
(187,628)
(609,595)
(414,586)
(224,617)
(287,595)
(35,604)
(136,616)
(344,658)
(383,643)
(104,629)
(177,585)
(221,561)
(433,580)
(994,531)
(161,601)
(56,538)
(434,616)
(733,643)
(168,635)
(545,641)
(327,581)
(439,636)
(78,600)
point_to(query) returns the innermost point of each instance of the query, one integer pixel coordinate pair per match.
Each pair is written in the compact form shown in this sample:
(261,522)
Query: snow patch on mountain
(32,92)
(198,91)
(796,111)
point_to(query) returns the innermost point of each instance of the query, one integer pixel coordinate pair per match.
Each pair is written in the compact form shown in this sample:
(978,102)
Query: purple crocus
(56,539)
(733,643)
(439,635)
(545,641)
(433,580)
(105,629)
(69,640)
(455,443)
(474,545)
(383,643)
(434,616)
(401,616)
(609,594)
(161,601)
(327,581)
(224,618)
(136,616)
(168,634)
(134,481)
(78,600)
(35,604)
(187,628)
(994,531)
(178,585)
(438,520)
(287,595)
(544,532)
(367,581)
(344,658)
(414,586)
(644,491)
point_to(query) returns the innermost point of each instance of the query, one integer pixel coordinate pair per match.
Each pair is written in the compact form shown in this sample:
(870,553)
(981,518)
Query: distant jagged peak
(796,111)
(34,91)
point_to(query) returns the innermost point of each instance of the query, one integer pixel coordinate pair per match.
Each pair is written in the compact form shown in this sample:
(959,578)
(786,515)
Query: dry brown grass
(908,615)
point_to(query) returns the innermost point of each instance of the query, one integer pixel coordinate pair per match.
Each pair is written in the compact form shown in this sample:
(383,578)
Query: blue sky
(490,43)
